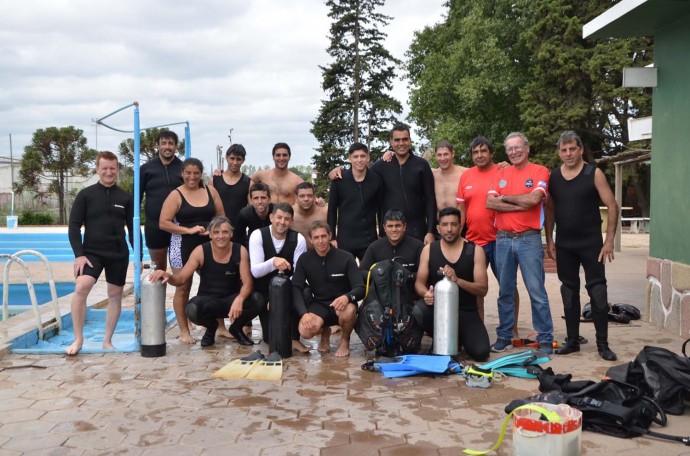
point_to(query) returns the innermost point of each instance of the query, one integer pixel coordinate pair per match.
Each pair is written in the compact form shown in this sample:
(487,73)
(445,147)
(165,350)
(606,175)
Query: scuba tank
(280,315)
(446,311)
(153,317)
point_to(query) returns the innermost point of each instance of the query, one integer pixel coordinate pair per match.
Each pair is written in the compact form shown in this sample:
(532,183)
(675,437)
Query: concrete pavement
(126,404)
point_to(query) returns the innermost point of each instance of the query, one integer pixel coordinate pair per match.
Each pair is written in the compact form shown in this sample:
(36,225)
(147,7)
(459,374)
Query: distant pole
(219,162)
(187,141)
(11,163)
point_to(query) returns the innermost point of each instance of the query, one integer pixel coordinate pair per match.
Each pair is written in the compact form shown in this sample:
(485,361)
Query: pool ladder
(54,324)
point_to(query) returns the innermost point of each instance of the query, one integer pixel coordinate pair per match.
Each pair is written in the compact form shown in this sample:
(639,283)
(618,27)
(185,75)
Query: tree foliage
(54,155)
(357,82)
(496,66)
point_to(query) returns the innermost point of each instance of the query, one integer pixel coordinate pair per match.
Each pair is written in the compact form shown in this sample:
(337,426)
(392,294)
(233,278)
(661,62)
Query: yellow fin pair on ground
(254,366)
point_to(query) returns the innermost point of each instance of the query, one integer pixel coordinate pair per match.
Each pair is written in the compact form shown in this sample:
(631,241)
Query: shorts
(325,311)
(115,269)
(490,252)
(175,251)
(156,238)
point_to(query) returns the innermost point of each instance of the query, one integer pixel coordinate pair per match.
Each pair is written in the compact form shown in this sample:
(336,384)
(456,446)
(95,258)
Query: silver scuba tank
(153,317)
(446,310)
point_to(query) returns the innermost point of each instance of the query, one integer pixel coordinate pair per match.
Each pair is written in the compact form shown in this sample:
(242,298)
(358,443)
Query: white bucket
(12,222)
(533,435)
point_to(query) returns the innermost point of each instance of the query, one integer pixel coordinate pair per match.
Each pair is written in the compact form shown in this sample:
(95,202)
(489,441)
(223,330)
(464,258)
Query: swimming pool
(19,299)
(53,244)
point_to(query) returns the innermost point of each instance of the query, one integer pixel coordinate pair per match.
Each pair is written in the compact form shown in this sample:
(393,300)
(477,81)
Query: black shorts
(156,238)
(325,311)
(115,269)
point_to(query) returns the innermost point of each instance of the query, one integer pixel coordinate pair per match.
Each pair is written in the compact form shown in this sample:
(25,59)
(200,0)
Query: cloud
(249,66)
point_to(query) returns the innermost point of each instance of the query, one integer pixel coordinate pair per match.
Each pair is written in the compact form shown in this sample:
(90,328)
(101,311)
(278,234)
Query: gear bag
(385,322)
(661,374)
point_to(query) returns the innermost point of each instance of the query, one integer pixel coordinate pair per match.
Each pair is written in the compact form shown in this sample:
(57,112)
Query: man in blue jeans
(517,195)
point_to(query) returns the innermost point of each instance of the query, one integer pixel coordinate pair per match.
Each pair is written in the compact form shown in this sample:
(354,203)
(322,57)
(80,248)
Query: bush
(35,218)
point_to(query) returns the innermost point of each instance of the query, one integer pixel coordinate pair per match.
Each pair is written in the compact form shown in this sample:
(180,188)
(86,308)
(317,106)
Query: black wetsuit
(104,212)
(328,277)
(190,216)
(410,188)
(579,241)
(406,253)
(248,221)
(352,210)
(218,287)
(157,180)
(472,334)
(234,197)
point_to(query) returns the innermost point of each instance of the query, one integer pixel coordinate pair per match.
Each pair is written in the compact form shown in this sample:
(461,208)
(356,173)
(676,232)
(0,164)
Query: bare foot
(335,329)
(192,326)
(186,339)
(222,331)
(325,344)
(108,346)
(74,348)
(343,348)
(299,346)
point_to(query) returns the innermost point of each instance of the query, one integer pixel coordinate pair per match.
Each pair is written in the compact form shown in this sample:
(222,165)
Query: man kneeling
(334,287)
(225,287)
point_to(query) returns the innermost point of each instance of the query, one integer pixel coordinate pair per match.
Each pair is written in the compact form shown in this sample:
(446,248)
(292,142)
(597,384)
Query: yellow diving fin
(269,368)
(239,368)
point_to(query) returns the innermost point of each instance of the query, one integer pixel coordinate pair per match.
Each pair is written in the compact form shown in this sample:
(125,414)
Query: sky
(252,66)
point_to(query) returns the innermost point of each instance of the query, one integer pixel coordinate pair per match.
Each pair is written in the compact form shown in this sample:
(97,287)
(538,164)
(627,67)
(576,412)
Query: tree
(357,83)
(575,83)
(496,66)
(55,154)
(465,73)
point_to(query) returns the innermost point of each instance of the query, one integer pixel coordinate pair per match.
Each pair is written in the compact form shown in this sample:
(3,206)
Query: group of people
(432,221)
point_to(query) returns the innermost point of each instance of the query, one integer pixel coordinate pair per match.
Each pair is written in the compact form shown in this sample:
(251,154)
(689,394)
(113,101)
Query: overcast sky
(247,65)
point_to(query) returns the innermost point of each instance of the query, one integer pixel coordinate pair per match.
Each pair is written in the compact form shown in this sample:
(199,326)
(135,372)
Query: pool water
(19,292)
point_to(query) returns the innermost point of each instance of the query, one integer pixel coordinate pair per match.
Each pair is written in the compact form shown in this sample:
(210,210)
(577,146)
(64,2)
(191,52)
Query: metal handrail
(14,258)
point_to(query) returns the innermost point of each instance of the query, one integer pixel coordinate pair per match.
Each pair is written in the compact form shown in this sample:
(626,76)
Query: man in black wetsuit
(103,209)
(233,185)
(408,184)
(576,187)
(276,248)
(255,215)
(335,288)
(465,265)
(158,177)
(405,250)
(353,204)
(225,287)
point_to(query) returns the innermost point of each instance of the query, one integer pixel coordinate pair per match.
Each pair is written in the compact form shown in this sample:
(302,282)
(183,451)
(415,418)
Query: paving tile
(265,438)
(150,439)
(15,403)
(25,428)
(74,427)
(296,424)
(14,416)
(230,449)
(409,450)
(57,403)
(206,437)
(350,425)
(60,451)
(33,442)
(290,450)
(399,424)
(322,438)
(105,439)
(71,414)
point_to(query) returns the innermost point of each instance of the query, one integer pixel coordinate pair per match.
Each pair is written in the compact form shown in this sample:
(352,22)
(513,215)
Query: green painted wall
(670,182)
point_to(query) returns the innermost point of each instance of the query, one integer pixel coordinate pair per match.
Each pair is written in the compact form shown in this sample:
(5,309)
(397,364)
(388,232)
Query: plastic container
(12,222)
(534,435)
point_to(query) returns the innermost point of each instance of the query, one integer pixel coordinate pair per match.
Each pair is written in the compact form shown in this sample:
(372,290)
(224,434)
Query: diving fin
(269,368)
(414,364)
(524,358)
(239,368)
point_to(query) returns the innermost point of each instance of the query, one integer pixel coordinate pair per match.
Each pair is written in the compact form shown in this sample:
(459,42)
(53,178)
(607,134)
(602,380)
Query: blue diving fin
(407,365)
(525,358)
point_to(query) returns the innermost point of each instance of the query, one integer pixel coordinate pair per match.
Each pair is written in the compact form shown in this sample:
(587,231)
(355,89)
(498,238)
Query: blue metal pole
(137,228)
(187,141)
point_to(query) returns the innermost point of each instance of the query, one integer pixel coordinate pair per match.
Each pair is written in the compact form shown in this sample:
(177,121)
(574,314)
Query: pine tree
(358,108)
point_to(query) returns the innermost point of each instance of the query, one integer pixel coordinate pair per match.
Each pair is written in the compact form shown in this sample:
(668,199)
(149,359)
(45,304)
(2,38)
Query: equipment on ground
(153,316)
(280,315)
(446,314)
(269,368)
(239,368)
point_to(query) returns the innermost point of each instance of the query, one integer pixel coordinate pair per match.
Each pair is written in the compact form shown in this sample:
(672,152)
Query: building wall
(668,291)
(670,200)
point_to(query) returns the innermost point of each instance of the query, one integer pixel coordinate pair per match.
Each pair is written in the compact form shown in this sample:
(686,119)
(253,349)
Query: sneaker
(501,345)
(546,347)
